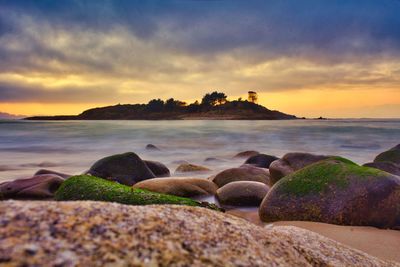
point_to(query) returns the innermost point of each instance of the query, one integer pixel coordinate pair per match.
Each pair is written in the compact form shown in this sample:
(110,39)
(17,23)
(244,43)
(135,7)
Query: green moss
(86,187)
(344,160)
(390,155)
(318,177)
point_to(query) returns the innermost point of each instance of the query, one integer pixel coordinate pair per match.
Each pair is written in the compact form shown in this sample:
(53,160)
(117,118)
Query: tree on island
(213,99)
(172,104)
(155,105)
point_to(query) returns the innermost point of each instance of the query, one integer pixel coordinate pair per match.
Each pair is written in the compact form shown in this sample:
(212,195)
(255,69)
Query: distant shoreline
(235,110)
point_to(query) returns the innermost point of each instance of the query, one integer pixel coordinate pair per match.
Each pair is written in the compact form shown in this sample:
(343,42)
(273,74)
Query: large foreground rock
(127,169)
(108,234)
(179,186)
(335,191)
(290,163)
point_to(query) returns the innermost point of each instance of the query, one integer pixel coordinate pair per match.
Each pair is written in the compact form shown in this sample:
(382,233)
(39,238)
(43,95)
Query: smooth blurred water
(72,146)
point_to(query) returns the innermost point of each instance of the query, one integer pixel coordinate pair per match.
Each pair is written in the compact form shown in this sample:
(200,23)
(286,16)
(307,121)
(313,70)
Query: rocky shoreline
(297,187)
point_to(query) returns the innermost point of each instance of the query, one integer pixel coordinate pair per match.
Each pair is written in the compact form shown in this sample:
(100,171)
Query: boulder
(392,155)
(152,147)
(188,167)
(127,169)
(261,160)
(243,173)
(85,187)
(290,163)
(179,186)
(246,154)
(45,171)
(242,193)
(335,191)
(215,160)
(386,166)
(37,187)
(159,169)
(86,233)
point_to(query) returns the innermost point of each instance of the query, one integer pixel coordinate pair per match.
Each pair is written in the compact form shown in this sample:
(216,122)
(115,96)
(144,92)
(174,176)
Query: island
(213,106)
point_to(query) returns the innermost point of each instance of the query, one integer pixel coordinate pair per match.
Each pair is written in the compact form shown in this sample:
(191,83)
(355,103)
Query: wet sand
(383,244)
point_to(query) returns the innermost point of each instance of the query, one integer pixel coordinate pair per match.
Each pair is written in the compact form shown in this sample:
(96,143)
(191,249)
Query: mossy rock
(392,155)
(86,187)
(290,163)
(335,191)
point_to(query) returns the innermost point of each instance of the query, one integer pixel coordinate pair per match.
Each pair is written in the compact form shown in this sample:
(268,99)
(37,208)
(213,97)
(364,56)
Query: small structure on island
(252,97)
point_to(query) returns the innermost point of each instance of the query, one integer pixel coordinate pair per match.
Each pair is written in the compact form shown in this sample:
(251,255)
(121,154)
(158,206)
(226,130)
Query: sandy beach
(381,243)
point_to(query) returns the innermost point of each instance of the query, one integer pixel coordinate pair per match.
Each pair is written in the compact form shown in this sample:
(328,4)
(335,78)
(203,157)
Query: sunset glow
(310,59)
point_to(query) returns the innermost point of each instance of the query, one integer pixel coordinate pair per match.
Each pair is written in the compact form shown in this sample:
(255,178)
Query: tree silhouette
(155,105)
(214,98)
(172,104)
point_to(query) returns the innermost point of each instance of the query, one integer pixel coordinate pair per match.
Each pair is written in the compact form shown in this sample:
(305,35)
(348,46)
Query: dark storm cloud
(284,27)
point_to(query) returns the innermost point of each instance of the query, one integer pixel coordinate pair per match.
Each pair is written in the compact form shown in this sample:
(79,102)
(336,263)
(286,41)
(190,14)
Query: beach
(380,243)
(300,180)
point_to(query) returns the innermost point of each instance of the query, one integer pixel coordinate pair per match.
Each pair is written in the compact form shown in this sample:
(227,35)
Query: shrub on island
(335,191)
(86,187)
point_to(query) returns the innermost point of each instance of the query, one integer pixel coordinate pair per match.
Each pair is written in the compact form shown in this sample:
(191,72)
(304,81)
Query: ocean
(72,146)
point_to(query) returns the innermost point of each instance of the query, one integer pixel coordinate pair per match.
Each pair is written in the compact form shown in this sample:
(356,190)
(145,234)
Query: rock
(392,155)
(261,160)
(85,187)
(386,166)
(246,154)
(86,233)
(290,163)
(187,167)
(179,186)
(242,193)
(159,169)
(216,160)
(36,187)
(152,147)
(335,191)
(45,171)
(244,173)
(127,168)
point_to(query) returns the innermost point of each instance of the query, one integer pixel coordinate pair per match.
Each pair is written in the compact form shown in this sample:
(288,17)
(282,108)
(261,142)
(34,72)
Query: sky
(308,58)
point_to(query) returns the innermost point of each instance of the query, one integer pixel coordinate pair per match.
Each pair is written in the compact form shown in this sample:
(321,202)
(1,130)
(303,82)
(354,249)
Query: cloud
(20,93)
(81,51)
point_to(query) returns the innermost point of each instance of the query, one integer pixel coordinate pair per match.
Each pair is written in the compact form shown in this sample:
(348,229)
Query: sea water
(73,146)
